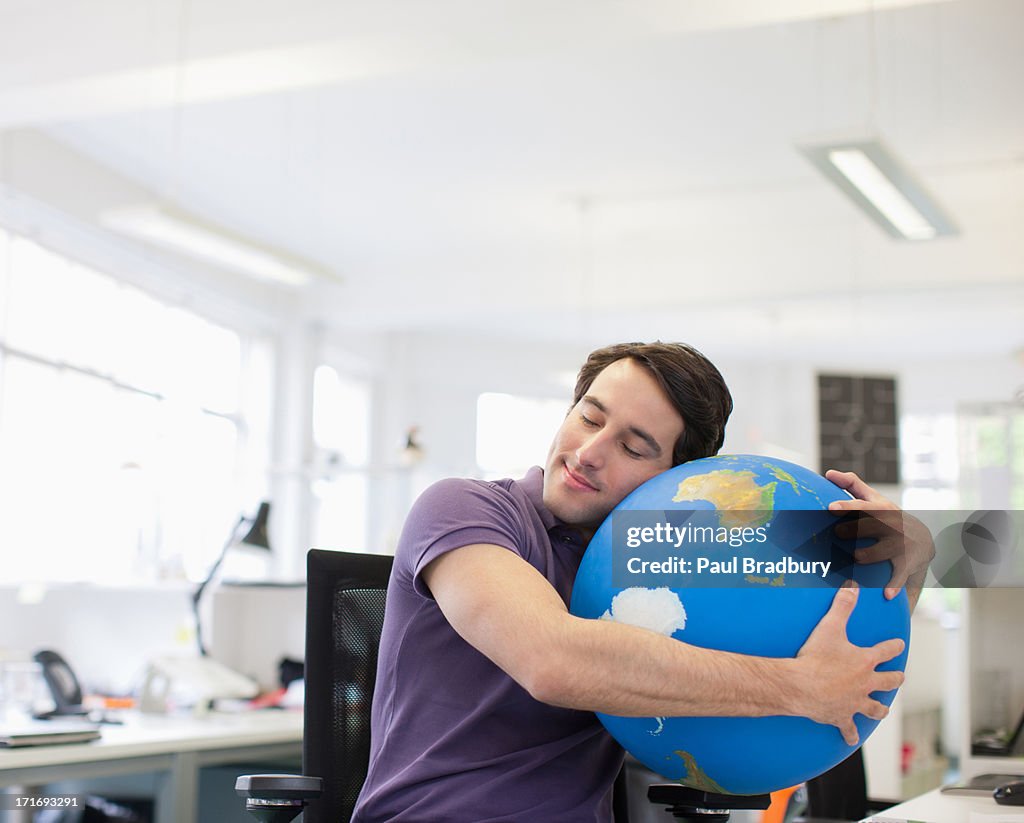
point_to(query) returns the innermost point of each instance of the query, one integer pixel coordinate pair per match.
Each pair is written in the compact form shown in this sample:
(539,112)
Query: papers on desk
(47,733)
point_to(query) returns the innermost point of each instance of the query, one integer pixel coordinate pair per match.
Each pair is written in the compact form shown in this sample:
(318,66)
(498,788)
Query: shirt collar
(533,485)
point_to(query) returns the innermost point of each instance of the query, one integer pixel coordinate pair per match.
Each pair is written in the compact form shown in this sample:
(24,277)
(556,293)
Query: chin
(561,508)
(573,516)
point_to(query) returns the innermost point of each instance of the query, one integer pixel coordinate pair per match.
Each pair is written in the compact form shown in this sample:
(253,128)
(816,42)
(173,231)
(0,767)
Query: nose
(591,451)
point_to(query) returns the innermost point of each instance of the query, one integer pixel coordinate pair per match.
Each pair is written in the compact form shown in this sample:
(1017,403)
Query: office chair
(345,596)
(841,794)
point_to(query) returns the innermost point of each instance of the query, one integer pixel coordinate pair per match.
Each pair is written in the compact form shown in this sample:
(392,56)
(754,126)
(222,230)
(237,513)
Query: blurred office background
(324,253)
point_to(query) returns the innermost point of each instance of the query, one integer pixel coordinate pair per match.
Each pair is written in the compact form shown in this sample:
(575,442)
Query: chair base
(697,806)
(275,813)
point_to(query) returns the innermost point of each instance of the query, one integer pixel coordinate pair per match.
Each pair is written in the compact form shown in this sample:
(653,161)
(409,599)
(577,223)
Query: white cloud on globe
(659,610)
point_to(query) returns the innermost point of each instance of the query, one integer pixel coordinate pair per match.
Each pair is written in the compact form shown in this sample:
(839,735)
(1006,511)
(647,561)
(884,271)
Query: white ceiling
(559,170)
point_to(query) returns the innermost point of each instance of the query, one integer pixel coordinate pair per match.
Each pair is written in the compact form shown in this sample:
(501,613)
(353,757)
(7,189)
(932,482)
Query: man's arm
(503,607)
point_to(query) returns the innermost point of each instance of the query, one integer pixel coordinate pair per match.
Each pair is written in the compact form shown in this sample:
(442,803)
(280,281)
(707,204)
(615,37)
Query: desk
(174,747)
(935,807)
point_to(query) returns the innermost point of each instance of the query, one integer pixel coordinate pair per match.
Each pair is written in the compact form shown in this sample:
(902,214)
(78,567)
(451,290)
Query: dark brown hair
(692,383)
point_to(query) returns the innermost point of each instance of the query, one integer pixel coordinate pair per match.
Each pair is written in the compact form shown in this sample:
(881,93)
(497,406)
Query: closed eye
(587,421)
(631,452)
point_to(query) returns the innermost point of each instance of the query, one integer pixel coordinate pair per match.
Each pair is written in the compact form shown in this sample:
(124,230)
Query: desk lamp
(256,537)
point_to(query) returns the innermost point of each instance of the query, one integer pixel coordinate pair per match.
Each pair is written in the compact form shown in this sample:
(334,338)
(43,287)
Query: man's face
(619,435)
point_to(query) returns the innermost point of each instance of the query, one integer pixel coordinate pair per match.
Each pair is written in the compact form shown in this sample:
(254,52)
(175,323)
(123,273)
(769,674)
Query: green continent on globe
(754,580)
(786,477)
(695,776)
(741,501)
(781,474)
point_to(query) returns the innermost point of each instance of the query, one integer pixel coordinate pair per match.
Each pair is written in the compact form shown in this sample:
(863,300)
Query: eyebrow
(645,436)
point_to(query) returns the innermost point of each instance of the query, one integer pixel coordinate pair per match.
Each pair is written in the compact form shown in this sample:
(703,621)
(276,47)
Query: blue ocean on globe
(764,522)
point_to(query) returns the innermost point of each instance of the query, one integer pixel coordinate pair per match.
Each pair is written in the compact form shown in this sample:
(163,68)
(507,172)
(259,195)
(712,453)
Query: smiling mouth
(577,481)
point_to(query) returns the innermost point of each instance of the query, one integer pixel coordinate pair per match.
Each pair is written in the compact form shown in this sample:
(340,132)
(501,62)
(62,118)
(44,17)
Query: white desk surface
(146,735)
(174,747)
(935,807)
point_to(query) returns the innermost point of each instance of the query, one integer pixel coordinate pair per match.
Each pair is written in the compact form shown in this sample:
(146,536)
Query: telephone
(62,683)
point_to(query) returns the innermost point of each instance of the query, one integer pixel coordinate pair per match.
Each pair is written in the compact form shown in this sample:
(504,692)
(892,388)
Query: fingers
(875,710)
(887,524)
(888,649)
(829,637)
(882,550)
(849,732)
(897,581)
(900,567)
(850,671)
(877,507)
(850,482)
(862,519)
(885,529)
(887,681)
(871,709)
(843,604)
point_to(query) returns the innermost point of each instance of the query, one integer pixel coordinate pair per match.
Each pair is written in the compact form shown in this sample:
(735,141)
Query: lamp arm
(206,582)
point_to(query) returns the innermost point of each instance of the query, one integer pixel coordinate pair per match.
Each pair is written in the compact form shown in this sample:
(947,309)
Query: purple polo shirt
(453,737)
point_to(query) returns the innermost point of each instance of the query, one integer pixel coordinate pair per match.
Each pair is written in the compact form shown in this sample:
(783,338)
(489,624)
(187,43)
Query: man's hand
(900,538)
(842,676)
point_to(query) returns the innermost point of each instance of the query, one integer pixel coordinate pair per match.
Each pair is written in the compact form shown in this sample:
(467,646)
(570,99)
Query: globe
(736,553)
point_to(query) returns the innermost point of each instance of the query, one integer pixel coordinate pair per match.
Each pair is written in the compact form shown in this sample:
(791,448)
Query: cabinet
(992,677)
(902,757)
(991,437)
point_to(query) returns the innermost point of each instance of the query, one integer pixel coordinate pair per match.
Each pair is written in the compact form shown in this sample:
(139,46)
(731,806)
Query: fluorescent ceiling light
(185,235)
(870,176)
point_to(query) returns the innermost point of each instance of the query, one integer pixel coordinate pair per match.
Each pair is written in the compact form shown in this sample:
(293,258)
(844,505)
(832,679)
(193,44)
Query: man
(487,685)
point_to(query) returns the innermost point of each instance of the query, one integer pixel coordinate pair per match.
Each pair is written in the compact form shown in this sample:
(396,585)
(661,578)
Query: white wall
(253,627)
(106,634)
(434,382)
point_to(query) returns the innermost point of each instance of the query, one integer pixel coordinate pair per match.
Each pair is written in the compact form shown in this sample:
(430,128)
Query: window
(124,451)
(341,436)
(514,433)
(928,458)
(992,454)
(341,417)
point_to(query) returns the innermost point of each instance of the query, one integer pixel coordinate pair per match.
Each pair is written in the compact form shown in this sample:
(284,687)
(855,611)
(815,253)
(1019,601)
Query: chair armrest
(277,798)
(279,786)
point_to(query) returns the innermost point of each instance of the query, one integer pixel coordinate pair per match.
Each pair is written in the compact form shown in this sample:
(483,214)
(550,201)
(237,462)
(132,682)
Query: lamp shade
(257,535)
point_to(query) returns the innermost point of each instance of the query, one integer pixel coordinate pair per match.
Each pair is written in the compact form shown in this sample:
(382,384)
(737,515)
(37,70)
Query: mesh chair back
(841,793)
(345,596)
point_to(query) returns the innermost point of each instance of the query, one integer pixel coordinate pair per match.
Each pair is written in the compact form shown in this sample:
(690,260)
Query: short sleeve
(454,513)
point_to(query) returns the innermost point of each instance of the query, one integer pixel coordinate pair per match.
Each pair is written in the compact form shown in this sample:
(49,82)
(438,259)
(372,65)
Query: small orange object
(267,700)
(776,812)
(118,702)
